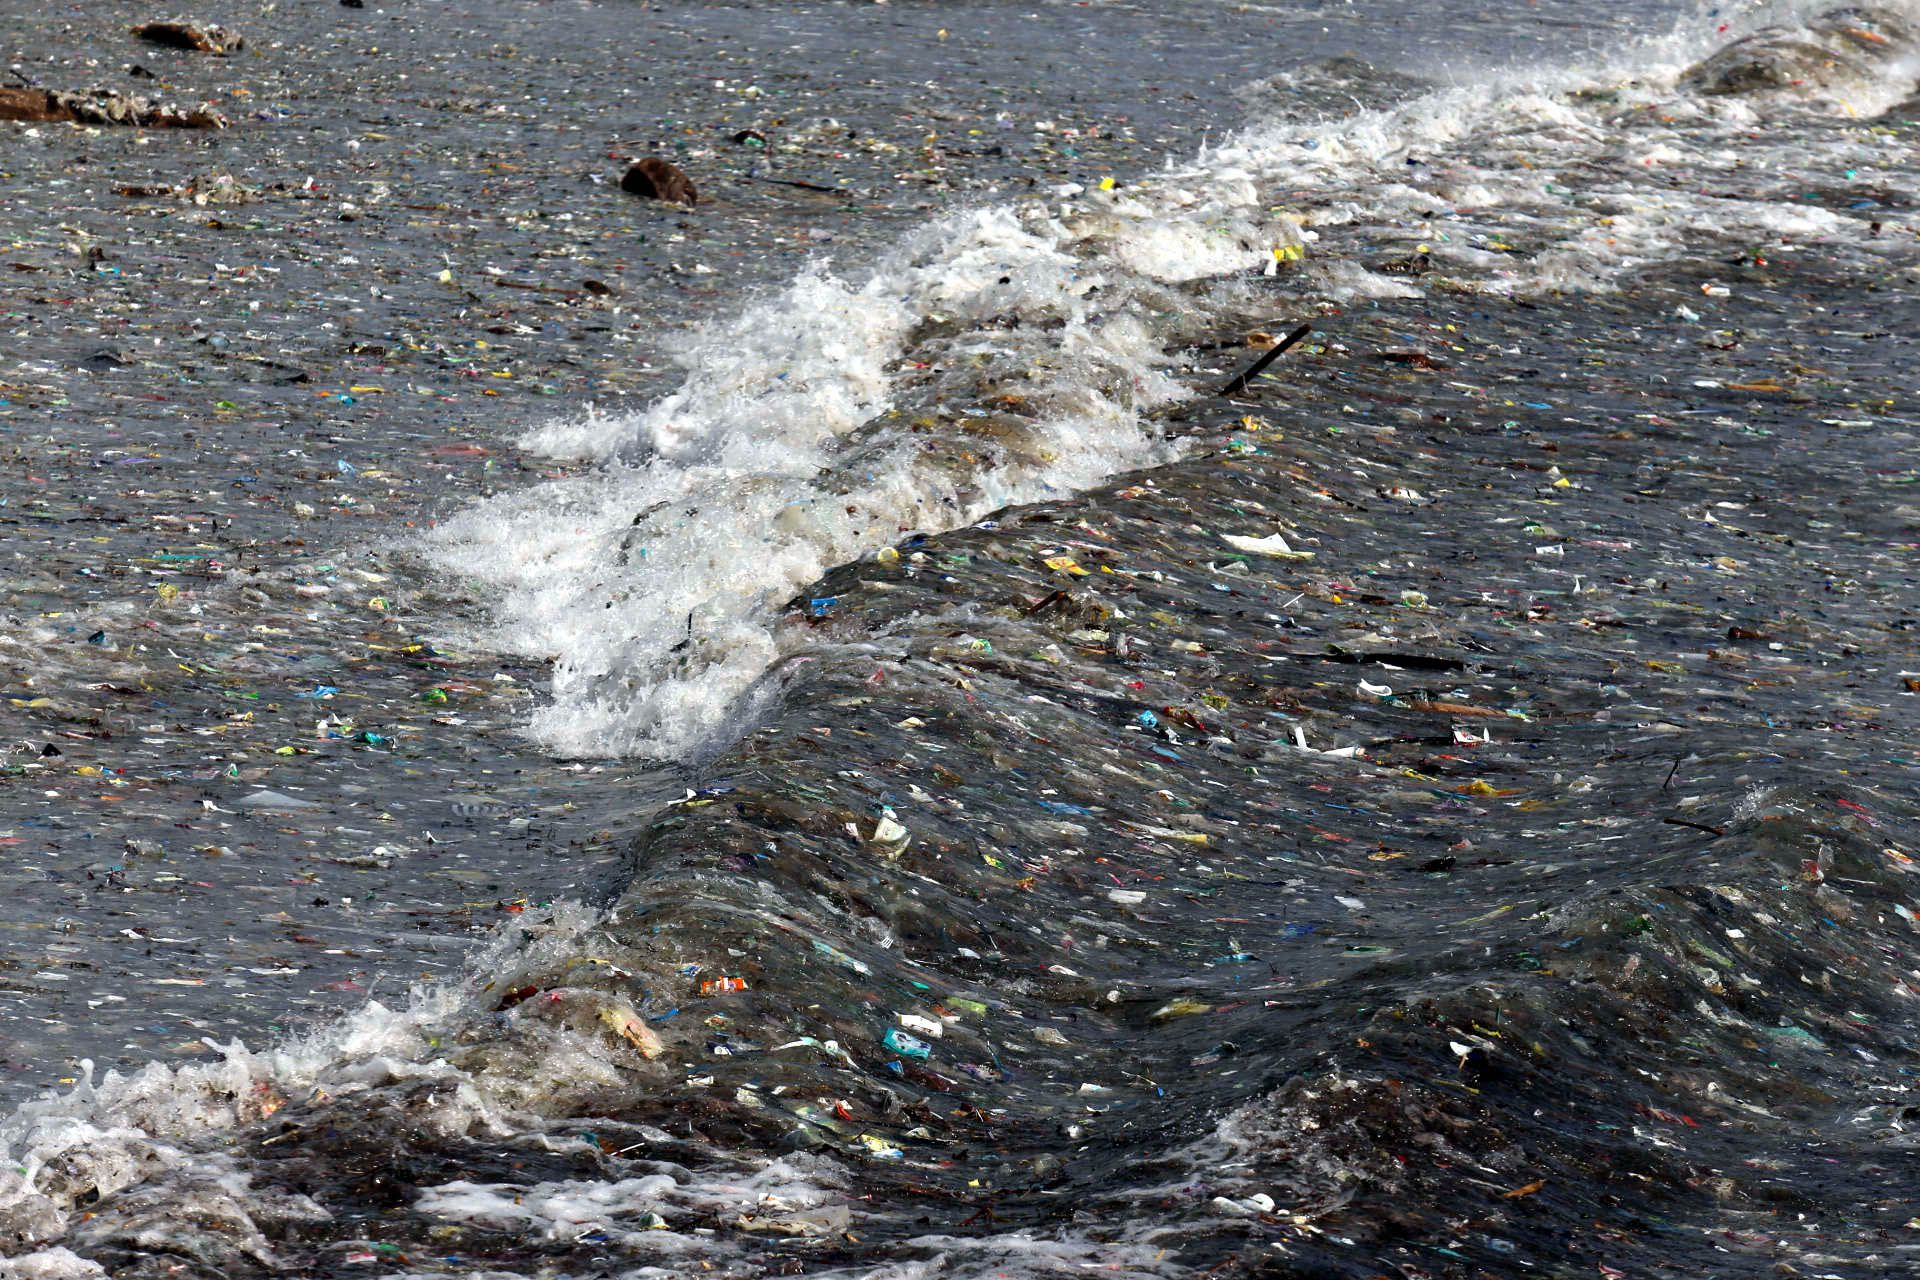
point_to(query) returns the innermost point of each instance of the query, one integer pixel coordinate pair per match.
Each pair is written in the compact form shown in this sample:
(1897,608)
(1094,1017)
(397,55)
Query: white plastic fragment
(932,1028)
(1271,545)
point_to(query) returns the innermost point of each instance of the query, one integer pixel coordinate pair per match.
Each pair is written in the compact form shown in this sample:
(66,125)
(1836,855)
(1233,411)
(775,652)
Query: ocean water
(1445,809)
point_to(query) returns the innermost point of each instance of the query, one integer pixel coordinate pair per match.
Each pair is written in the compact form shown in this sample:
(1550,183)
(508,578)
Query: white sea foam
(656,582)
(102,1137)
(58,1263)
(657,1215)
(1023,1255)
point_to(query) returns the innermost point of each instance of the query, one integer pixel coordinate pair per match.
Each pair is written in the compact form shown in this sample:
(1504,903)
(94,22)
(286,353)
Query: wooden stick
(1697,826)
(803,185)
(1239,384)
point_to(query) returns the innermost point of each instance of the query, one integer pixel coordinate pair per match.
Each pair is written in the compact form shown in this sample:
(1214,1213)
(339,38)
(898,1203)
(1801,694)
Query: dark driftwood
(55,106)
(658,179)
(188,35)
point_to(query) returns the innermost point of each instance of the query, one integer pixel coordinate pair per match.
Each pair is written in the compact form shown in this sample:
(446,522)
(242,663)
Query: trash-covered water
(1445,809)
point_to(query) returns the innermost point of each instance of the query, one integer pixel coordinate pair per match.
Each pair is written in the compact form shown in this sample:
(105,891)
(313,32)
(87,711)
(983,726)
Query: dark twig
(1057,598)
(1239,384)
(1697,826)
(803,185)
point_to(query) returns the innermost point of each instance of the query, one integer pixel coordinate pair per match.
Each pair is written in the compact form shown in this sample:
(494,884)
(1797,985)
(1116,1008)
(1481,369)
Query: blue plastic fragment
(905,1045)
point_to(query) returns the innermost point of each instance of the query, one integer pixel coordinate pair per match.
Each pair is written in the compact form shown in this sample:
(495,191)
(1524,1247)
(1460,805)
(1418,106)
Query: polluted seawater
(1445,808)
